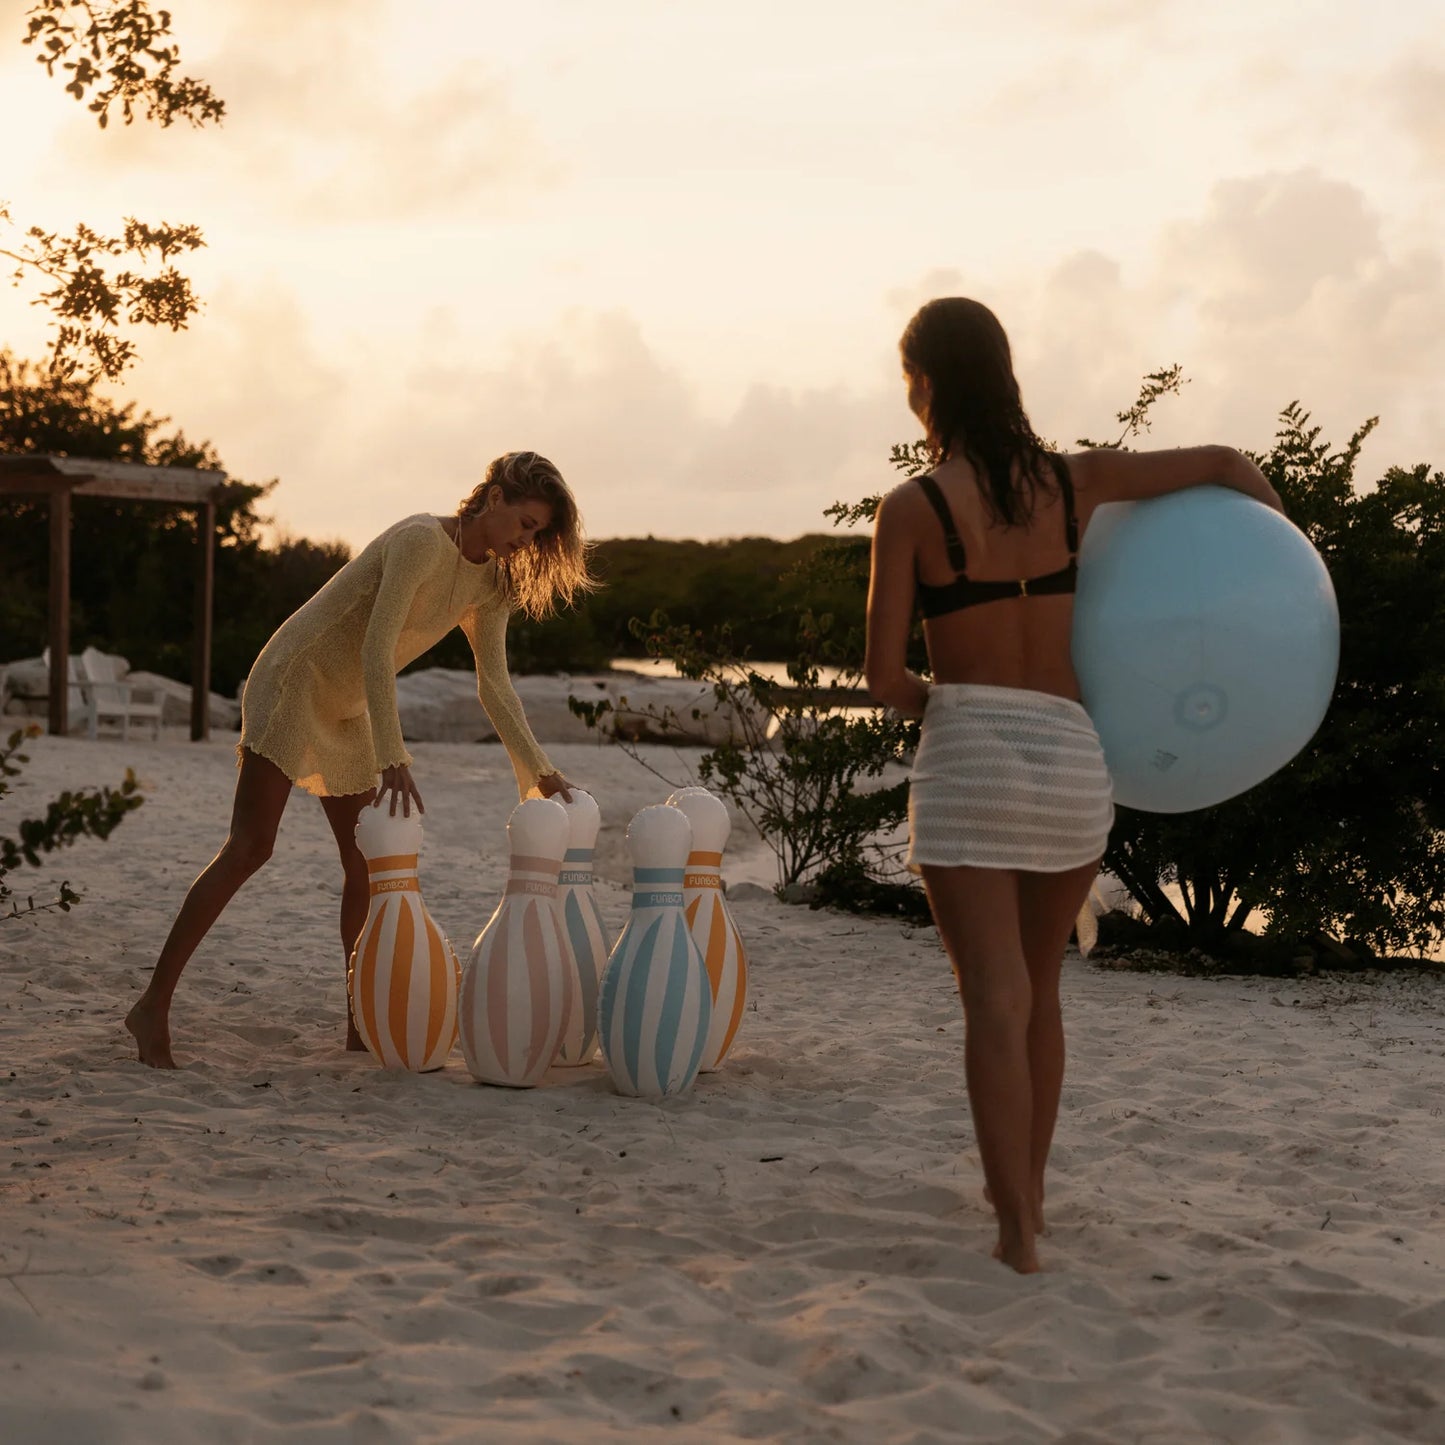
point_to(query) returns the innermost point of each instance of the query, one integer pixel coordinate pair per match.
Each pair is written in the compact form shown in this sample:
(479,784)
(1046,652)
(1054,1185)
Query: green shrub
(85,813)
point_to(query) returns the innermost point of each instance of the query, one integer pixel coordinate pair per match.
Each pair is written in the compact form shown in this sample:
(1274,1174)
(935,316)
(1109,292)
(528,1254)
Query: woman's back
(1021,639)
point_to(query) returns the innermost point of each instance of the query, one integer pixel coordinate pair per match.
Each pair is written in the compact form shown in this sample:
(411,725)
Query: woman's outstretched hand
(398,782)
(554,785)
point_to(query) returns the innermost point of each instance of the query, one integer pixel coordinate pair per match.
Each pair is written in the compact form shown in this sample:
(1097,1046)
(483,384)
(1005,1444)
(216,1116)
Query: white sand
(283,1242)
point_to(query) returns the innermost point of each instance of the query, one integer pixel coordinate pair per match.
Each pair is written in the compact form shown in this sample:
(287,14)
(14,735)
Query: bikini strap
(956,556)
(1071,519)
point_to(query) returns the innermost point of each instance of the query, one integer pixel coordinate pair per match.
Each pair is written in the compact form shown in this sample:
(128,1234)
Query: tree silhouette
(117,57)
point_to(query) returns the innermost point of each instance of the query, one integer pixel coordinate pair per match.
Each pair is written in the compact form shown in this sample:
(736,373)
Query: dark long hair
(974,409)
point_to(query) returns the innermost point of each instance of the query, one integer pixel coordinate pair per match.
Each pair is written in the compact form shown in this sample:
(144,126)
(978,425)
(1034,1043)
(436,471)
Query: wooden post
(205,593)
(60,611)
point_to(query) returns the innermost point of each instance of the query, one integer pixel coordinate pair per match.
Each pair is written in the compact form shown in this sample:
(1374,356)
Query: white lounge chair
(109,696)
(100,692)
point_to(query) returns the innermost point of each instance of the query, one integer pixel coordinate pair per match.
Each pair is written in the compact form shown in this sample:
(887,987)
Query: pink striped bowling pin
(582,926)
(403,975)
(520,982)
(710,921)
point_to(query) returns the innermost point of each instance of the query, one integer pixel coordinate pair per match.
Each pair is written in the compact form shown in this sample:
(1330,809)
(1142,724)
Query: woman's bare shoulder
(902,500)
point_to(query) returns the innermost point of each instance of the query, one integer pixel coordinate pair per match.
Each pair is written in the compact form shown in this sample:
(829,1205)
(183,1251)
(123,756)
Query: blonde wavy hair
(554,569)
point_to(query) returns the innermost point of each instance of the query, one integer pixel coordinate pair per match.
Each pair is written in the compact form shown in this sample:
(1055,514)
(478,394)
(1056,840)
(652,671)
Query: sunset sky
(671,244)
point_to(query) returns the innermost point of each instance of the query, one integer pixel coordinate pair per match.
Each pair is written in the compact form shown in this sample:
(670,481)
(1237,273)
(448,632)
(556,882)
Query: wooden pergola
(58,479)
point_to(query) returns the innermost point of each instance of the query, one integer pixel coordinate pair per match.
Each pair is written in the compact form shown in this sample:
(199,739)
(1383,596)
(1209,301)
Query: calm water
(773,671)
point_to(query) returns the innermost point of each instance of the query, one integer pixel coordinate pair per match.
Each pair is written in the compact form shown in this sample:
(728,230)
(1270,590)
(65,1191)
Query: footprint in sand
(218,1265)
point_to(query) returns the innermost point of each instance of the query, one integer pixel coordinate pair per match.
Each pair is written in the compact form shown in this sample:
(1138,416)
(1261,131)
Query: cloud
(1282,288)
(1414,89)
(627,427)
(252,381)
(394,429)
(1265,243)
(317,128)
(1097,17)
(1297,294)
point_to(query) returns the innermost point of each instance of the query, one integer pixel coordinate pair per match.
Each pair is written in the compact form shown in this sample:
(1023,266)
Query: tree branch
(116,55)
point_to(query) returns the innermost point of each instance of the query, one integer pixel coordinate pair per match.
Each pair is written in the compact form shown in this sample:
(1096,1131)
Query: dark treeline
(757,586)
(133,563)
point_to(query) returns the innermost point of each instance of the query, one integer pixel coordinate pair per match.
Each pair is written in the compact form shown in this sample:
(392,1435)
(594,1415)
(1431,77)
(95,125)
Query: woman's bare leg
(1049,905)
(977,912)
(342,814)
(261,793)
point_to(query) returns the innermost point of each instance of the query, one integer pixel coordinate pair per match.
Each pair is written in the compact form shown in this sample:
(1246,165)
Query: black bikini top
(963,591)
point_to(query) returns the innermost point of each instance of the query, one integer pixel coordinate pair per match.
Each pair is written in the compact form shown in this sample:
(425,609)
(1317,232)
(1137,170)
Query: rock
(175,700)
(748,893)
(26,692)
(799,893)
(649,709)
(28,679)
(439,705)
(544,696)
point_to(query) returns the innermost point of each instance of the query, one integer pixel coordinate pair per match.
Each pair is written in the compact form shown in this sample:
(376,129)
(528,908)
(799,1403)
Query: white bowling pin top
(584,819)
(683,792)
(538,829)
(708,815)
(379,835)
(659,837)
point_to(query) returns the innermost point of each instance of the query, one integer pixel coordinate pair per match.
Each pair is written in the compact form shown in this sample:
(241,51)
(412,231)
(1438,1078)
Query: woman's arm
(1108,475)
(403,568)
(486,629)
(891,590)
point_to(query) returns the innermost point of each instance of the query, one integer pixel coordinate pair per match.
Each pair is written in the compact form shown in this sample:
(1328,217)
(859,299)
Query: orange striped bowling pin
(403,976)
(520,983)
(710,922)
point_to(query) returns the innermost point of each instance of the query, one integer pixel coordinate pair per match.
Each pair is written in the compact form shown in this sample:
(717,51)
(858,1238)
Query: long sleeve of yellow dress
(321,699)
(486,630)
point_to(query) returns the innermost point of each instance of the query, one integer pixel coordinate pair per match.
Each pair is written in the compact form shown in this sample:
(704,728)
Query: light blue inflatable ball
(1206,643)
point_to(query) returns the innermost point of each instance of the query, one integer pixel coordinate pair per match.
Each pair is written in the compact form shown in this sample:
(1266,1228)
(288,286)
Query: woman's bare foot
(1017,1252)
(151,1029)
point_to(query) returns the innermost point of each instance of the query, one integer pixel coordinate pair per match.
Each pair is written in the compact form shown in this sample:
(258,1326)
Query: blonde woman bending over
(319,707)
(1010,804)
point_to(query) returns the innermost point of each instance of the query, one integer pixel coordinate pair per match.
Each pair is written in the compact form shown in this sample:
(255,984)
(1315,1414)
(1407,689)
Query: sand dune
(283,1242)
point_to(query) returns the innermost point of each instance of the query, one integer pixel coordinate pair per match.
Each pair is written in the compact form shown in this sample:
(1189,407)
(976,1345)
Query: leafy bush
(87,812)
(795,763)
(133,563)
(1345,844)
(1343,850)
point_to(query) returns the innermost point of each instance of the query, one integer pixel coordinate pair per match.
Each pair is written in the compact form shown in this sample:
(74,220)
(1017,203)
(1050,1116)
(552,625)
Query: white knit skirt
(1007,778)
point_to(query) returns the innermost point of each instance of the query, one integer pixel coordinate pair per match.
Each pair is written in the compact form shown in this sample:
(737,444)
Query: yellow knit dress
(320,702)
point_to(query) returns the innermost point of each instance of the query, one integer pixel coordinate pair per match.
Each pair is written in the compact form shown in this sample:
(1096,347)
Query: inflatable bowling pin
(520,982)
(655,1007)
(582,926)
(709,920)
(403,975)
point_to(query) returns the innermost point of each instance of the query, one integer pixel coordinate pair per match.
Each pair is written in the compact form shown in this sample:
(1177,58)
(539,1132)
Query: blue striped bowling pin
(710,920)
(403,974)
(520,982)
(582,926)
(655,1006)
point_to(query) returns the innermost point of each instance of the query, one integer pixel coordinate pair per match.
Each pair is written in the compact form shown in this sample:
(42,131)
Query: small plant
(87,812)
(795,756)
